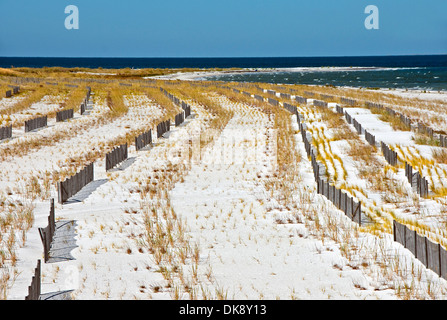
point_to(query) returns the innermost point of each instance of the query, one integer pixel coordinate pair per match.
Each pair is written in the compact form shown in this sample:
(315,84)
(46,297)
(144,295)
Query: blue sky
(230,28)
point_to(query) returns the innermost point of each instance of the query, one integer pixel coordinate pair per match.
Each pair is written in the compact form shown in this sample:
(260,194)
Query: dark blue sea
(424,72)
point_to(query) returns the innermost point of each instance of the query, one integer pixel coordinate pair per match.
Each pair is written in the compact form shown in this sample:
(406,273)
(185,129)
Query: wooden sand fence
(348,101)
(35,288)
(179,118)
(36,123)
(301,100)
(64,115)
(72,185)
(163,127)
(273,101)
(143,140)
(390,155)
(47,233)
(6,132)
(320,103)
(259,98)
(117,155)
(10,93)
(417,181)
(432,255)
(84,103)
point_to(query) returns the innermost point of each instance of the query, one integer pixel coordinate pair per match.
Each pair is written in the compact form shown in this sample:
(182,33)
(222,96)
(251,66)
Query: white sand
(229,214)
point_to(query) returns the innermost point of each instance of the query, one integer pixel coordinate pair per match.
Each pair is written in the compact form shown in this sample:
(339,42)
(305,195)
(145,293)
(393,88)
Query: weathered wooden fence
(35,288)
(47,233)
(347,204)
(163,127)
(187,108)
(418,182)
(35,123)
(258,97)
(348,101)
(431,254)
(326,96)
(370,138)
(443,140)
(82,108)
(403,118)
(273,101)
(117,155)
(179,119)
(308,93)
(422,128)
(390,155)
(15,89)
(339,109)
(84,103)
(370,104)
(357,126)
(72,185)
(5,132)
(285,95)
(291,108)
(320,103)
(348,118)
(143,140)
(64,115)
(301,100)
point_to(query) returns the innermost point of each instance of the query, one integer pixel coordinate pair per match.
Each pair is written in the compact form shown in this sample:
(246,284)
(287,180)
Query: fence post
(34,289)
(443,262)
(421,249)
(434,256)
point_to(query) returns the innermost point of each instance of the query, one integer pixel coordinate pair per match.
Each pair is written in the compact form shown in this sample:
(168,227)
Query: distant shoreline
(198,75)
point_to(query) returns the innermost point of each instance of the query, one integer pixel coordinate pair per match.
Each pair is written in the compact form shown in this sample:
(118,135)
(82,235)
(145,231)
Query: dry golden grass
(9,72)
(440,155)
(34,96)
(425,139)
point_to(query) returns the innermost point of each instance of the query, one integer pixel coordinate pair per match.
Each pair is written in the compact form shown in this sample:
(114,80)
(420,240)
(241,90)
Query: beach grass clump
(424,139)
(440,155)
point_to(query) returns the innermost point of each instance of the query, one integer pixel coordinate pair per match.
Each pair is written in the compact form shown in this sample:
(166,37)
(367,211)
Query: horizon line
(230,57)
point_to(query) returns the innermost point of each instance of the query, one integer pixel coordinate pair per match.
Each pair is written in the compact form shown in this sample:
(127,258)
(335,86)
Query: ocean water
(424,72)
(417,78)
